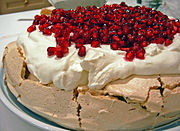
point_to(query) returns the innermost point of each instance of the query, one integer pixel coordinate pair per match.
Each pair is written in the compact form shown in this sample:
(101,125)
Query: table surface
(10,28)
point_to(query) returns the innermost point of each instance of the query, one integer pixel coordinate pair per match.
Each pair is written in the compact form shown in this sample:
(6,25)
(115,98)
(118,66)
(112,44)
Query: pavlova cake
(115,67)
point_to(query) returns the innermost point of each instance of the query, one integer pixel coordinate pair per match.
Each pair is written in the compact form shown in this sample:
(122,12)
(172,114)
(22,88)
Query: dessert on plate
(115,67)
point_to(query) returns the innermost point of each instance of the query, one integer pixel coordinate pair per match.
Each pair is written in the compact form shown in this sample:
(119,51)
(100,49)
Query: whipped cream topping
(100,65)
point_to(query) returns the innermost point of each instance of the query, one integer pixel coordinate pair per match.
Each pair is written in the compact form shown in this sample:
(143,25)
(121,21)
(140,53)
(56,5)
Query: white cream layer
(100,65)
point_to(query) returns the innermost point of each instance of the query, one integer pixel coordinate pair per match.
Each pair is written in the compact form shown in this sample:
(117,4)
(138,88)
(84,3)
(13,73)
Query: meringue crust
(137,102)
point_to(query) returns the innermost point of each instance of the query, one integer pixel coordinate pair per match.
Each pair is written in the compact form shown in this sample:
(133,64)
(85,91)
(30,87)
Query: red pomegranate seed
(126,29)
(65,50)
(140,54)
(86,27)
(57,34)
(59,52)
(114,46)
(112,33)
(78,45)
(160,40)
(168,42)
(105,38)
(65,44)
(130,38)
(80,41)
(178,30)
(129,56)
(95,43)
(149,33)
(121,43)
(47,31)
(144,43)
(175,28)
(45,25)
(31,28)
(177,23)
(141,38)
(51,51)
(42,21)
(155,32)
(120,32)
(95,35)
(125,49)
(116,38)
(82,51)
(37,17)
(41,27)
(35,22)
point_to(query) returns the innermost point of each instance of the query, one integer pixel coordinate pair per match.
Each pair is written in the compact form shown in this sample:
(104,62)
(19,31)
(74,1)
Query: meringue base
(134,103)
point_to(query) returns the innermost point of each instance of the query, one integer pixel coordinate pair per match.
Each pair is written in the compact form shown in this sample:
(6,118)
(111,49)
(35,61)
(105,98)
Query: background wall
(9,6)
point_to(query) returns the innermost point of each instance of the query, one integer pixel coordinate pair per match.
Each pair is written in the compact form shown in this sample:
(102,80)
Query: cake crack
(79,107)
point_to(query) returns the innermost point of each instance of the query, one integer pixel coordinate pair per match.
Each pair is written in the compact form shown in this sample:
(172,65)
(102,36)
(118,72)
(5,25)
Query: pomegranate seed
(121,43)
(59,40)
(129,56)
(59,52)
(42,21)
(82,51)
(47,31)
(168,42)
(95,35)
(120,32)
(131,38)
(95,43)
(86,27)
(116,38)
(80,41)
(125,49)
(177,23)
(37,17)
(51,51)
(41,27)
(112,33)
(57,34)
(31,28)
(144,43)
(175,28)
(105,39)
(149,33)
(160,40)
(65,50)
(178,30)
(65,44)
(141,38)
(78,45)
(114,46)
(126,29)
(35,22)
(140,54)
(45,25)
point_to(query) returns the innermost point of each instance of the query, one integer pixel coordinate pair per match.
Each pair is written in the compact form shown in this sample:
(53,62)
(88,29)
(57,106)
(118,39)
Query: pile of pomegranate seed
(122,27)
